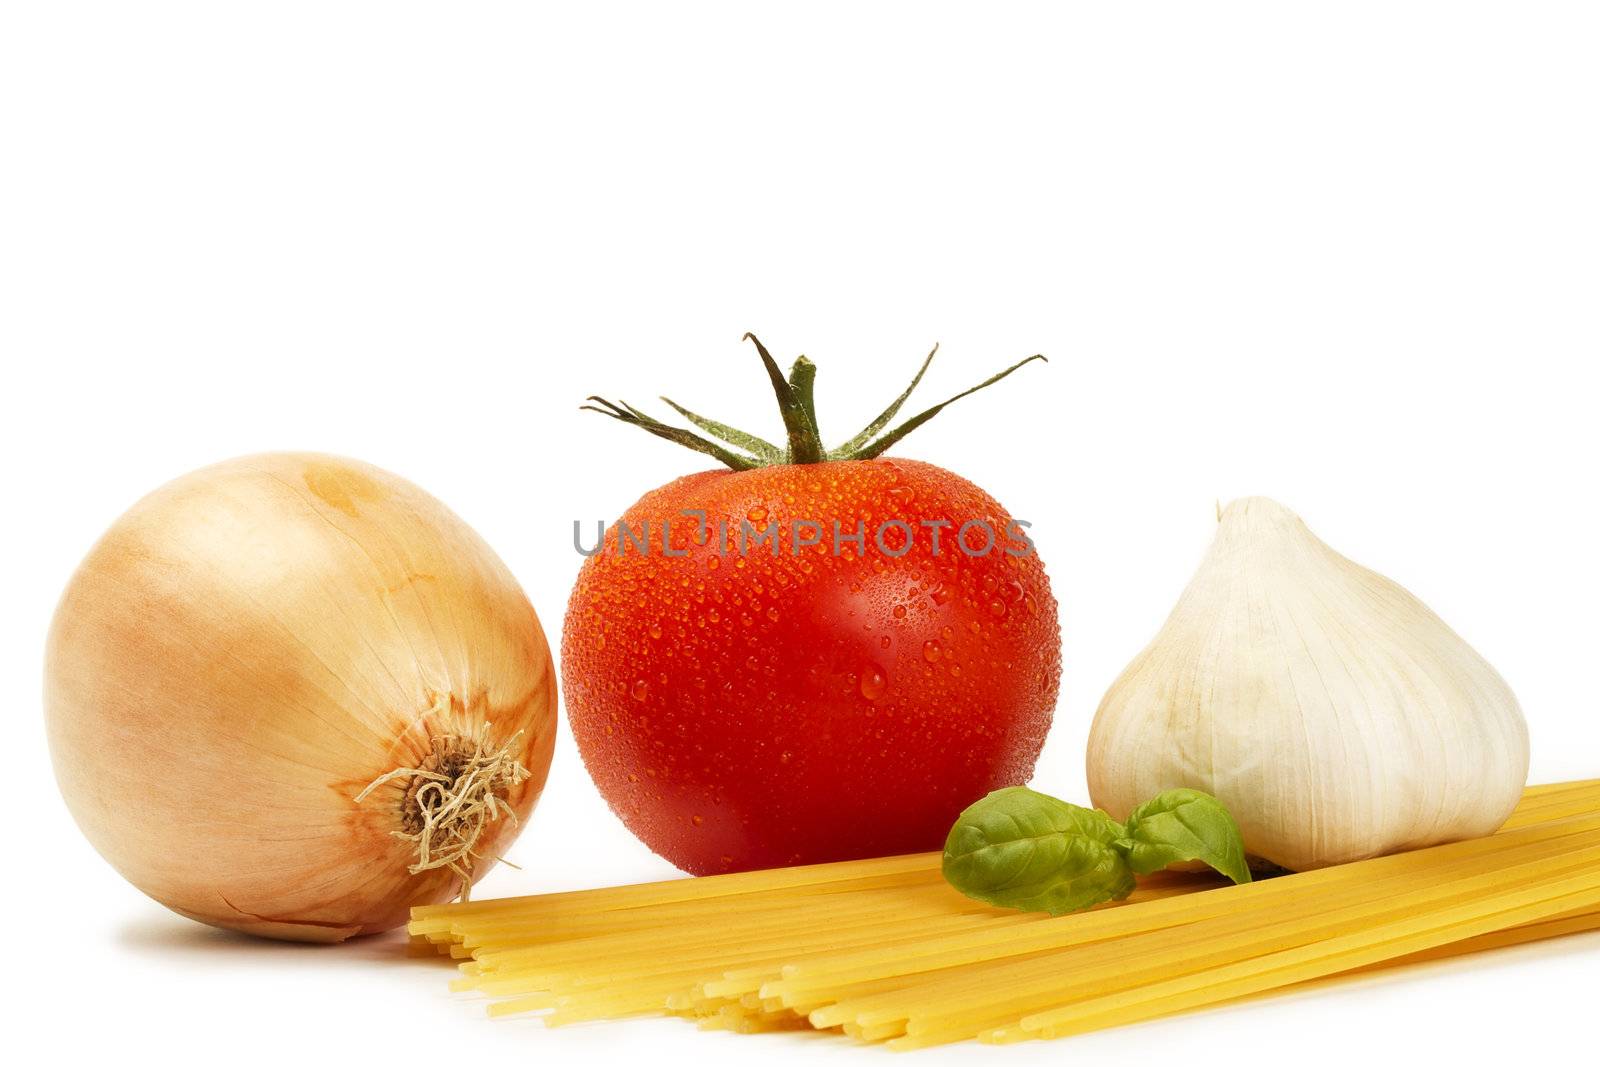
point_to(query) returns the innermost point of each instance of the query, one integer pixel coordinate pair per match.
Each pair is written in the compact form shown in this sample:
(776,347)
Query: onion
(295,695)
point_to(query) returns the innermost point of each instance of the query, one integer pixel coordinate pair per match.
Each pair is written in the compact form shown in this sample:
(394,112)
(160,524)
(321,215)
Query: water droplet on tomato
(997,607)
(655,631)
(899,611)
(713,563)
(942,595)
(931,651)
(884,641)
(756,515)
(1013,591)
(873,682)
(640,690)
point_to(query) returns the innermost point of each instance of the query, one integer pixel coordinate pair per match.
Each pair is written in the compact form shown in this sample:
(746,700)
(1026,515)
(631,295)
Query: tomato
(746,703)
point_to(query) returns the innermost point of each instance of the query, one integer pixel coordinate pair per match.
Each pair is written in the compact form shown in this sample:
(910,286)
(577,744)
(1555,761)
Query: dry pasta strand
(883,951)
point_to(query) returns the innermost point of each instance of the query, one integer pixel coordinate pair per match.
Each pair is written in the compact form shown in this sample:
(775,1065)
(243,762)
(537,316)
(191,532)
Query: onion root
(452,796)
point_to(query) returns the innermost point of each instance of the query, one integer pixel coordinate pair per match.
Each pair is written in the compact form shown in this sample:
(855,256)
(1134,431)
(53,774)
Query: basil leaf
(1181,825)
(1016,848)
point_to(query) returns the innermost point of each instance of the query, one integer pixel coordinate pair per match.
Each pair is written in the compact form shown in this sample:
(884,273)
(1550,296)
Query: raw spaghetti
(884,950)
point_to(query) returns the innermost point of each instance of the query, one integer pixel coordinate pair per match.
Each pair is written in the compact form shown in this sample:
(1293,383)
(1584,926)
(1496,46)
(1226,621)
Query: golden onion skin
(246,650)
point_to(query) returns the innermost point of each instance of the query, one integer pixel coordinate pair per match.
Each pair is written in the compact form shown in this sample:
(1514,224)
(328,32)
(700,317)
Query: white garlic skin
(1332,713)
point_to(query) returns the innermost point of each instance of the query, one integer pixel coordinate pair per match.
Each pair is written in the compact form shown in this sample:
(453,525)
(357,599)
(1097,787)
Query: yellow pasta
(882,950)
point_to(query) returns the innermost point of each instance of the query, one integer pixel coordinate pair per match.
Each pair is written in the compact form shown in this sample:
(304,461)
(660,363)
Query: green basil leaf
(1016,848)
(1182,825)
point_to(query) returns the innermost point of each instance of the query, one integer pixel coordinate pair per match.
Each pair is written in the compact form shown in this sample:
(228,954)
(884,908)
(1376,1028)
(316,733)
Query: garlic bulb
(1328,709)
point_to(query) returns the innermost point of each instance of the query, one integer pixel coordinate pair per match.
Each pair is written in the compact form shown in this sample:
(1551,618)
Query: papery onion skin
(250,646)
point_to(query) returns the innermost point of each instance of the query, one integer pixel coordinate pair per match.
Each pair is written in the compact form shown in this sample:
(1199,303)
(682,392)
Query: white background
(1346,258)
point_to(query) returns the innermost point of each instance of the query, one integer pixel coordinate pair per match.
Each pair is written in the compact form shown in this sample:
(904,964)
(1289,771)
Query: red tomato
(748,703)
(757,710)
